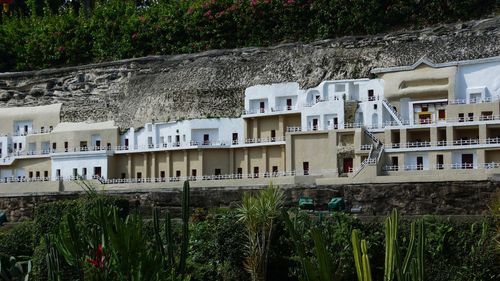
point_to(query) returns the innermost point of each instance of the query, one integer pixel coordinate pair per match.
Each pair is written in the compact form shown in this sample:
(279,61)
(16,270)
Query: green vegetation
(39,34)
(99,238)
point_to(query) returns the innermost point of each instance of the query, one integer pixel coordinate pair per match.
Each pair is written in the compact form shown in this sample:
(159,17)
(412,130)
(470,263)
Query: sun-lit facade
(425,120)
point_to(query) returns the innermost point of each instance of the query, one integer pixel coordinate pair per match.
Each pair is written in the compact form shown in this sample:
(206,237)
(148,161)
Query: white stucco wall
(478,75)
(66,163)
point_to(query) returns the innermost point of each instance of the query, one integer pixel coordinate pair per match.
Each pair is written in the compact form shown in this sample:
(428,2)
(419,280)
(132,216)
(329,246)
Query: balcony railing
(454,166)
(462,142)
(474,100)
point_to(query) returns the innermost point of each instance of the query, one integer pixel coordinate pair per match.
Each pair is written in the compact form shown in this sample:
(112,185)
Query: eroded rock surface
(212,83)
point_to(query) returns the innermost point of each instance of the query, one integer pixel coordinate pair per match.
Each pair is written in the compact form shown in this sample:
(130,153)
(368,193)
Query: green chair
(306,203)
(336,204)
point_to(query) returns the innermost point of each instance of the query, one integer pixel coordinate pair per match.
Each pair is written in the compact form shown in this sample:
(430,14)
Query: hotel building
(426,121)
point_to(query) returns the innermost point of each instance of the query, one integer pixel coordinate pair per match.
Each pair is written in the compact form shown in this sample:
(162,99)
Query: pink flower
(190,10)
(253,3)
(208,14)
(134,35)
(220,14)
(61,49)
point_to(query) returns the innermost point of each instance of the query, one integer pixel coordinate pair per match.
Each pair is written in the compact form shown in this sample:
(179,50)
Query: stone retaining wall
(443,198)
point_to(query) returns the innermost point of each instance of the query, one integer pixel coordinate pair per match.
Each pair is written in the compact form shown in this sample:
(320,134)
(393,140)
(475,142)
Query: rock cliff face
(212,84)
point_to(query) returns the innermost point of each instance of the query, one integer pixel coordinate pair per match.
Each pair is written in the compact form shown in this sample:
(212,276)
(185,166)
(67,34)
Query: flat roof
(428,62)
(84,126)
(20,112)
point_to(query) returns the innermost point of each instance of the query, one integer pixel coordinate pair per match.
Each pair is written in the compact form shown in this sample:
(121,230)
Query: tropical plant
(116,248)
(258,214)
(322,265)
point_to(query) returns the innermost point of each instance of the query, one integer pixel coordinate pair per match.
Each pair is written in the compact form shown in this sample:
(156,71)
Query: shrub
(217,248)
(34,38)
(18,241)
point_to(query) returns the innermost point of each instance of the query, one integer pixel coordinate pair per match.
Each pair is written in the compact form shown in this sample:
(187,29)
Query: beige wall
(75,137)
(261,127)
(316,148)
(42,116)
(424,82)
(215,159)
(453,110)
(492,156)
(34,165)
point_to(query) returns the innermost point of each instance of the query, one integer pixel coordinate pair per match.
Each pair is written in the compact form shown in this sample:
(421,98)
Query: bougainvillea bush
(37,34)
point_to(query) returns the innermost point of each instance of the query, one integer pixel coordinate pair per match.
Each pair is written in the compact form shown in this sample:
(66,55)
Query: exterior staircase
(395,115)
(374,155)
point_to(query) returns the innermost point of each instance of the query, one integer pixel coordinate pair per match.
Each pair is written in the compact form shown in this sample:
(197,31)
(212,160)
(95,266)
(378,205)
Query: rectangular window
(126,143)
(255,172)
(20,146)
(235,138)
(84,172)
(46,174)
(54,146)
(75,172)
(177,174)
(162,174)
(30,174)
(206,139)
(193,172)
(262,107)
(487,115)
(239,172)
(371,95)
(139,175)
(439,161)
(461,117)
(15,146)
(470,116)
(273,135)
(150,142)
(83,146)
(97,144)
(288,104)
(58,173)
(275,171)
(38,174)
(441,114)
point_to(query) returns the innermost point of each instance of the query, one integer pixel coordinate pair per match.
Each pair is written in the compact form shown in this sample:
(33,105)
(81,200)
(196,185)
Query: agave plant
(258,214)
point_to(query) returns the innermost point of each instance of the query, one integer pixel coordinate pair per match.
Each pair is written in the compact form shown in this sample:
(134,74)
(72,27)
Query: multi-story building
(424,120)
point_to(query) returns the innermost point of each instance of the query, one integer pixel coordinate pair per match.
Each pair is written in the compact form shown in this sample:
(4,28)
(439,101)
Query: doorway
(467,161)
(420,163)
(305,167)
(315,124)
(347,165)
(97,171)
